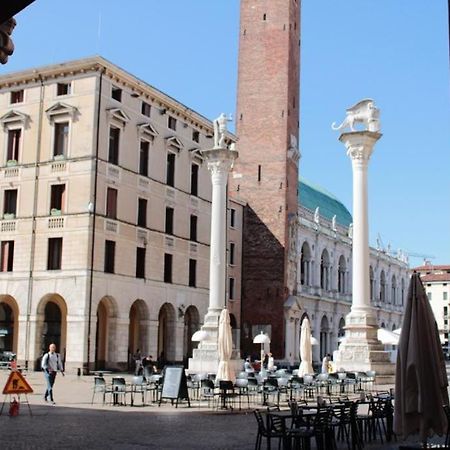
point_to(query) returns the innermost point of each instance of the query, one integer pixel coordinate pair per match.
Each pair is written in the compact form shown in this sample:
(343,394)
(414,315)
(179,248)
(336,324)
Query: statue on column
(364,112)
(220,129)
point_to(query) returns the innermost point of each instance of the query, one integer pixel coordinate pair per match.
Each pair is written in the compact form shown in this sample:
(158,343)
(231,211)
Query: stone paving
(75,423)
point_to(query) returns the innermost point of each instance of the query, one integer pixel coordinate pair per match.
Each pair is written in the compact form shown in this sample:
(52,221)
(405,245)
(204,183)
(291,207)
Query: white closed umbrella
(225,344)
(305,350)
(387,337)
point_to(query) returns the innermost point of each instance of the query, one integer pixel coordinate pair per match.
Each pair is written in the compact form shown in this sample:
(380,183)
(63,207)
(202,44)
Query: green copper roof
(311,197)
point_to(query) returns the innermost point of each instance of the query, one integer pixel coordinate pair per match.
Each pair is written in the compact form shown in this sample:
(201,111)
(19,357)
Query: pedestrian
(325,363)
(137,362)
(51,363)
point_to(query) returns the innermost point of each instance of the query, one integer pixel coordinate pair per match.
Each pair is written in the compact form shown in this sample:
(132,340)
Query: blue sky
(395,52)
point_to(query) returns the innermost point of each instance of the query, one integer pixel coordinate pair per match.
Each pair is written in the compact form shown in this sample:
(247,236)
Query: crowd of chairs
(327,421)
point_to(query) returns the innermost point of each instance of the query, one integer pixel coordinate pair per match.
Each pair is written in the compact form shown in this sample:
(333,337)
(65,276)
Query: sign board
(16,384)
(174,384)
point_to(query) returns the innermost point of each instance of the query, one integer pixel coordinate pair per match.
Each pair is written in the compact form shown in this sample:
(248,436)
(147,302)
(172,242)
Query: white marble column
(360,349)
(220,161)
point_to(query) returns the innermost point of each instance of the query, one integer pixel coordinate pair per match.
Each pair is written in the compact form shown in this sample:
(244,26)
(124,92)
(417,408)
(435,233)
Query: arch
(342,274)
(383,325)
(191,325)
(105,326)
(372,283)
(51,326)
(393,290)
(305,265)
(394,327)
(9,324)
(325,267)
(137,328)
(382,286)
(324,335)
(166,333)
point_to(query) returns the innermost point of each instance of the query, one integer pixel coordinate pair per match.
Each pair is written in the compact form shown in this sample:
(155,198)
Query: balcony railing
(8,226)
(55,222)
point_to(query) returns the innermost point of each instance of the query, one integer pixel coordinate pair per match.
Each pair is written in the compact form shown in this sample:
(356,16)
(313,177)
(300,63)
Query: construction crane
(426,258)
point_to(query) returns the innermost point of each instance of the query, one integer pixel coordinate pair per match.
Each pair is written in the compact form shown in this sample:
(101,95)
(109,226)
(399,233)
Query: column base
(205,358)
(361,350)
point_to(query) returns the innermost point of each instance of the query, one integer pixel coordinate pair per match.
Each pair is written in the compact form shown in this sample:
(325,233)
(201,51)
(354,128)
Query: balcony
(169,242)
(113,172)
(193,248)
(58,166)
(11,172)
(55,222)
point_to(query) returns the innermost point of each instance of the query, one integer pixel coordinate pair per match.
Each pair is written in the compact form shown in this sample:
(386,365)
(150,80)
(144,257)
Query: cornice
(97,65)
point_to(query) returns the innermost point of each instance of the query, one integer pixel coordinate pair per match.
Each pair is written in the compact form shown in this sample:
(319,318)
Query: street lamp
(262,339)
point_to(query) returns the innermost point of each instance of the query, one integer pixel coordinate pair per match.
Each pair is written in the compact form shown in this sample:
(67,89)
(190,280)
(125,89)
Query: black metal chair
(226,394)
(265,430)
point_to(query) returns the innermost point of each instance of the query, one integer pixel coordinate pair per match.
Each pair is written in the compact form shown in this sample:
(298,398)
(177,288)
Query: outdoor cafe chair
(138,386)
(226,394)
(100,388)
(154,386)
(309,386)
(270,388)
(207,391)
(265,430)
(119,391)
(241,385)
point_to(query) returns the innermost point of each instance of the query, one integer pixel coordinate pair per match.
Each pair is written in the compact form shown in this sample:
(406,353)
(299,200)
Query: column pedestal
(206,357)
(361,350)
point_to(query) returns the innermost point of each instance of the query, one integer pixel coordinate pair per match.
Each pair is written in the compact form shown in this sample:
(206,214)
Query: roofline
(96,64)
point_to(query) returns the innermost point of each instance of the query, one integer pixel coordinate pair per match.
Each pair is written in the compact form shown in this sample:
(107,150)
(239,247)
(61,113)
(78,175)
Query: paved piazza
(75,423)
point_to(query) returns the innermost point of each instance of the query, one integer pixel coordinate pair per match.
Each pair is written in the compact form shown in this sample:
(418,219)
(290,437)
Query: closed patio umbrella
(305,350)
(225,344)
(421,378)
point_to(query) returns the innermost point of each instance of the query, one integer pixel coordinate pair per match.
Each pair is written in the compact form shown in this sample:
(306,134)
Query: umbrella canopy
(305,350)
(225,344)
(421,378)
(387,337)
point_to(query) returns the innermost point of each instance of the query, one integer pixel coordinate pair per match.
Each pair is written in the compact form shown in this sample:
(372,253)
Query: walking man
(51,363)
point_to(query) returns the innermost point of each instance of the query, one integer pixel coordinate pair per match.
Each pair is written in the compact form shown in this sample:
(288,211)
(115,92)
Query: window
(17,96)
(192,272)
(193,228)
(57,198)
(170,174)
(143,158)
(195,136)
(12,153)
(111,203)
(10,202)
(61,141)
(110,254)
(114,138)
(231,288)
(429,296)
(142,213)
(445,311)
(140,262)
(145,109)
(167,268)
(444,296)
(54,254)
(116,93)
(7,256)
(169,220)
(63,89)
(172,123)
(194,179)
(232,217)
(231,254)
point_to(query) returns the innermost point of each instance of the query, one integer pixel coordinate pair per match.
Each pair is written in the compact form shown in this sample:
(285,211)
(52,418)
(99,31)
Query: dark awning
(11,7)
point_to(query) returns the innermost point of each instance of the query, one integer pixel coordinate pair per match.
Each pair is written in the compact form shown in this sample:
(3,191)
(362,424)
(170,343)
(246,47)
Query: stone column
(360,349)
(220,160)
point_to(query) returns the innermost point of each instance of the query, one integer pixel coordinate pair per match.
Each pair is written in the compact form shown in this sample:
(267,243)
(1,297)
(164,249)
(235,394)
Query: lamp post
(262,339)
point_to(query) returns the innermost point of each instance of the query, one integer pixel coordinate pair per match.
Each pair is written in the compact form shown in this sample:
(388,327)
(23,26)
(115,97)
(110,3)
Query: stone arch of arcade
(105,332)
(9,324)
(51,324)
(166,333)
(138,328)
(324,336)
(191,325)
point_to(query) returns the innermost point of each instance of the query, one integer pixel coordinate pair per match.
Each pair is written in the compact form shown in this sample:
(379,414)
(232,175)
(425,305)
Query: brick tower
(266,172)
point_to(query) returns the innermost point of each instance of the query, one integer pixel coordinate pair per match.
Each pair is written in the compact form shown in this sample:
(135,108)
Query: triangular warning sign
(17,384)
